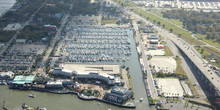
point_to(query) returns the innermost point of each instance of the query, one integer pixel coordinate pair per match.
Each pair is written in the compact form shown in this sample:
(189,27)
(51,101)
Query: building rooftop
(8,73)
(119,90)
(87,68)
(20,79)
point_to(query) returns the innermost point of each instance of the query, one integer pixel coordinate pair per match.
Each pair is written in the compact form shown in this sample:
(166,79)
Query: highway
(175,51)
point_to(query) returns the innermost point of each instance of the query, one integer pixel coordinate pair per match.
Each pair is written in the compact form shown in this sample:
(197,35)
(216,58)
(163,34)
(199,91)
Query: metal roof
(20,79)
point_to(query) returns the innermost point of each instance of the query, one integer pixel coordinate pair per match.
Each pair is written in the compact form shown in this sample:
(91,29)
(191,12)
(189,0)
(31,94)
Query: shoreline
(88,98)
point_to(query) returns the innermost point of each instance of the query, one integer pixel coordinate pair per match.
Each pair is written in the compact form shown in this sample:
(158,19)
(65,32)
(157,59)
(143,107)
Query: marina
(97,44)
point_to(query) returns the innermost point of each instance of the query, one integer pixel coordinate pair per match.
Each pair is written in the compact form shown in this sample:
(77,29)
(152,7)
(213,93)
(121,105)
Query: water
(5,5)
(14,98)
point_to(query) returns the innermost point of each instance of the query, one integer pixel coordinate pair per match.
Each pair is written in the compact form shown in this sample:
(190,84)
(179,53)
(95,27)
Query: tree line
(198,22)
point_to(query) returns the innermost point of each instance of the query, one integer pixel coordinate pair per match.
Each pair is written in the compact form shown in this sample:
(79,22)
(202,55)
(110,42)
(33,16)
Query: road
(53,42)
(174,50)
(192,35)
(18,31)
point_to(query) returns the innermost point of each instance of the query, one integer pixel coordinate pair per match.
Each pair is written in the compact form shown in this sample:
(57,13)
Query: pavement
(175,51)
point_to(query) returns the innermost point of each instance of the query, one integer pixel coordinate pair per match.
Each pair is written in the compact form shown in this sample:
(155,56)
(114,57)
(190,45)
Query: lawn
(113,21)
(211,42)
(159,13)
(127,3)
(168,51)
(179,68)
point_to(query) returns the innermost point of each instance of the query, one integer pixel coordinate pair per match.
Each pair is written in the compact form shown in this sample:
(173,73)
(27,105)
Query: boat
(3,83)
(32,95)
(141,99)
(42,109)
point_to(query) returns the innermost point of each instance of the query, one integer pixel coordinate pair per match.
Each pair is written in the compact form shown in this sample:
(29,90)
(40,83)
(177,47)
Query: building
(108,79)
(21,41)
(118,95)
(54,84)
(6,75)
(22,82)
(58,72)
(153,41)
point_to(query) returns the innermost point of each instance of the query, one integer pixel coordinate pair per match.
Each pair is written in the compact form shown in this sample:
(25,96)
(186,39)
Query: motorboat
(32,95)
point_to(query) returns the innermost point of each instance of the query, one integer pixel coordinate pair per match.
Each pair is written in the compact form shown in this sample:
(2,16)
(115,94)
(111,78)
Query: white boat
(32,95)
(141,99)
(42,109)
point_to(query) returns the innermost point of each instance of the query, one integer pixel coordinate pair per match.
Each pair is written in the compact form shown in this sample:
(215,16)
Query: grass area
(152,101)
(179,68)
(211,42)
(168,51)
(195,93)
(209,53)
(112,21)
(159,13)
(185,35)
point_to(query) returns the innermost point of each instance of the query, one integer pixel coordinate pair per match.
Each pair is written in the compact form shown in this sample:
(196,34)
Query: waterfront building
(153,36)
(6,75)
(54,84)
(58,72)
(118,95)
(22,82)
(108,79)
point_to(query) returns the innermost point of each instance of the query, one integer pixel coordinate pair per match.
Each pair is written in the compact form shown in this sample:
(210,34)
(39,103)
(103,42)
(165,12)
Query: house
(153,36)
(118,95)
(22,82)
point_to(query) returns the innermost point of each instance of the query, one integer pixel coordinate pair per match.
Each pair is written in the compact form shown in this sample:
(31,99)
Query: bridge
(202,67)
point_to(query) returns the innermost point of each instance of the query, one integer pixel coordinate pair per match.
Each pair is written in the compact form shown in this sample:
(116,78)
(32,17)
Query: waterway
(14,98)
(5,5)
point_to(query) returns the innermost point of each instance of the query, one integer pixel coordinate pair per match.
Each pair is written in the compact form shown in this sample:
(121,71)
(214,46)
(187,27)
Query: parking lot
(170,87)
(27,49)
(165,64)
(21,57)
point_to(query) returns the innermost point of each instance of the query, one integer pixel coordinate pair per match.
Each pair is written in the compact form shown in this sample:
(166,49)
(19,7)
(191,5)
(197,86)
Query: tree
(163,25)
(208,35)
(171,30)
(158,23)
(202,51)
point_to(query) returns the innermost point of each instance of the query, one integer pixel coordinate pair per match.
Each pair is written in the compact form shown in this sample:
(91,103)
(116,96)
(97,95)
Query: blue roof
(20,79)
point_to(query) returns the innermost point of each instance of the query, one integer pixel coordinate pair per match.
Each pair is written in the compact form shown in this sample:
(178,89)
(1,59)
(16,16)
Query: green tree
(171,30)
